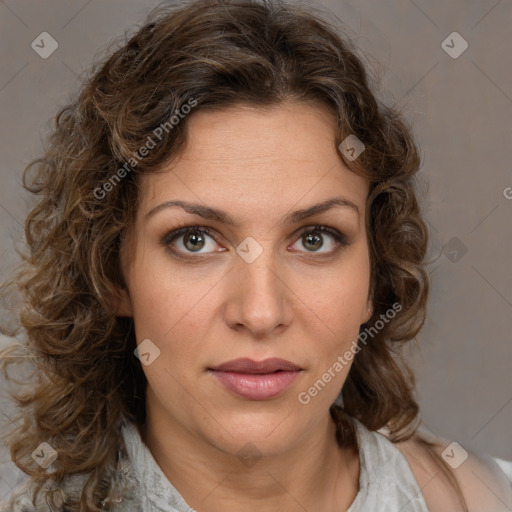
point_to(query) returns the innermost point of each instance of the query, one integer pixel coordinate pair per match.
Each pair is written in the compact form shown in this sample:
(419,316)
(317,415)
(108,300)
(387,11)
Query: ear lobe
(368,312)
(122,303)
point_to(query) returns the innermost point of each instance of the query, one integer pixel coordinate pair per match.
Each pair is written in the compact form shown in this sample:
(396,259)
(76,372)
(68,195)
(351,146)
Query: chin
(270,432)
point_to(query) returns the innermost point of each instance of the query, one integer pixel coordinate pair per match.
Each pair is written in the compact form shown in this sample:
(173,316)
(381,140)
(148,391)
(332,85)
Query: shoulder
(483,483)
(23,498)
(19,500)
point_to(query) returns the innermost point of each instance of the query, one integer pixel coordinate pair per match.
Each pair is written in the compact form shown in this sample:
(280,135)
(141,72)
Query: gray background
(461,111)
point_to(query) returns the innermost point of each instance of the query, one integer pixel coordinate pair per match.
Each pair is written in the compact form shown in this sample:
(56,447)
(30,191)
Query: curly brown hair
(220,53)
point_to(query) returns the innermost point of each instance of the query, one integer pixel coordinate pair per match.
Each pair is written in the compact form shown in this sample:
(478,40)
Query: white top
(386,482)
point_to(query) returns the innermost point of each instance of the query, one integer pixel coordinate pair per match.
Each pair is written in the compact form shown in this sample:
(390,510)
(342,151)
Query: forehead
(257,159)
(289,130)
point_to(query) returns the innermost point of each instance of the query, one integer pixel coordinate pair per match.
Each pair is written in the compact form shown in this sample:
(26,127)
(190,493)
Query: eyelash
(339,238)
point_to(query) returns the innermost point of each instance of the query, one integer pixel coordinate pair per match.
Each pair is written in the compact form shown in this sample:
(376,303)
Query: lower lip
(256,386)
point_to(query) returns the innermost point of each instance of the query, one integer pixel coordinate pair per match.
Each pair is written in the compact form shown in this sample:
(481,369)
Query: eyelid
(341,240)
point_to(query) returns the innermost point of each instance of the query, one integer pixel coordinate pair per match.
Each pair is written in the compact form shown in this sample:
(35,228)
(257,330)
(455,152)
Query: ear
(368,311)
(122,303)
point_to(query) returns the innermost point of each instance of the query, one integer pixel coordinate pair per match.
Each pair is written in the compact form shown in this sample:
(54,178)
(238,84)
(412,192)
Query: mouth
(256,380)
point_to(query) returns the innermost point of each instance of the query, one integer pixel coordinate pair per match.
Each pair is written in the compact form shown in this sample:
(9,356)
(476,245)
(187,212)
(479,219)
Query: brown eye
(193,241)
(313,239)
(190,240)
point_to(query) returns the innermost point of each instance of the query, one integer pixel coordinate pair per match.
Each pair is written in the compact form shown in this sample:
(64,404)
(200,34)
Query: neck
(316,474)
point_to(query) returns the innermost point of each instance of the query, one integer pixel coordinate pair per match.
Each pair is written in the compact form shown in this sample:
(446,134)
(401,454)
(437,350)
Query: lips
(256,380)
(246,365)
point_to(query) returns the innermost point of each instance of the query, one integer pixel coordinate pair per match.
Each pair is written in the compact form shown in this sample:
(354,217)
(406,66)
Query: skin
(294,301)
(297,302)
(482,483)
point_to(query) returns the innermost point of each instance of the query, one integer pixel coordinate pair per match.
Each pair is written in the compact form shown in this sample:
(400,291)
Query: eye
(313,239)
(192,240)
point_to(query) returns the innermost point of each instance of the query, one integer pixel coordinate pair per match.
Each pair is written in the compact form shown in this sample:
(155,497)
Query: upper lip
(246,365)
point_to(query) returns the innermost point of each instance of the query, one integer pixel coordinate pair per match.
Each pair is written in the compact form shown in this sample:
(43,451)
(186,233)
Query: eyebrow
(220,216)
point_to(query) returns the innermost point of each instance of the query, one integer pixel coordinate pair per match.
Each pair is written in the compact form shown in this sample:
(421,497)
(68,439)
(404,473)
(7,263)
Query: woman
(226,256)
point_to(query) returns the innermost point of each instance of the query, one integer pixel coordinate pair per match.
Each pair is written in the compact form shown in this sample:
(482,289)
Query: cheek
(171,308)
(160,294)
(339,307)
(340,299)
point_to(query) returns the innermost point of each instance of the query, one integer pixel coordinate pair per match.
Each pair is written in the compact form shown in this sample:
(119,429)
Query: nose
(259,300)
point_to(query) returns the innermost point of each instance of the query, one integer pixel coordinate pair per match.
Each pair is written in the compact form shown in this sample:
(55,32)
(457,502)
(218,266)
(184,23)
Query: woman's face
(255,287)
